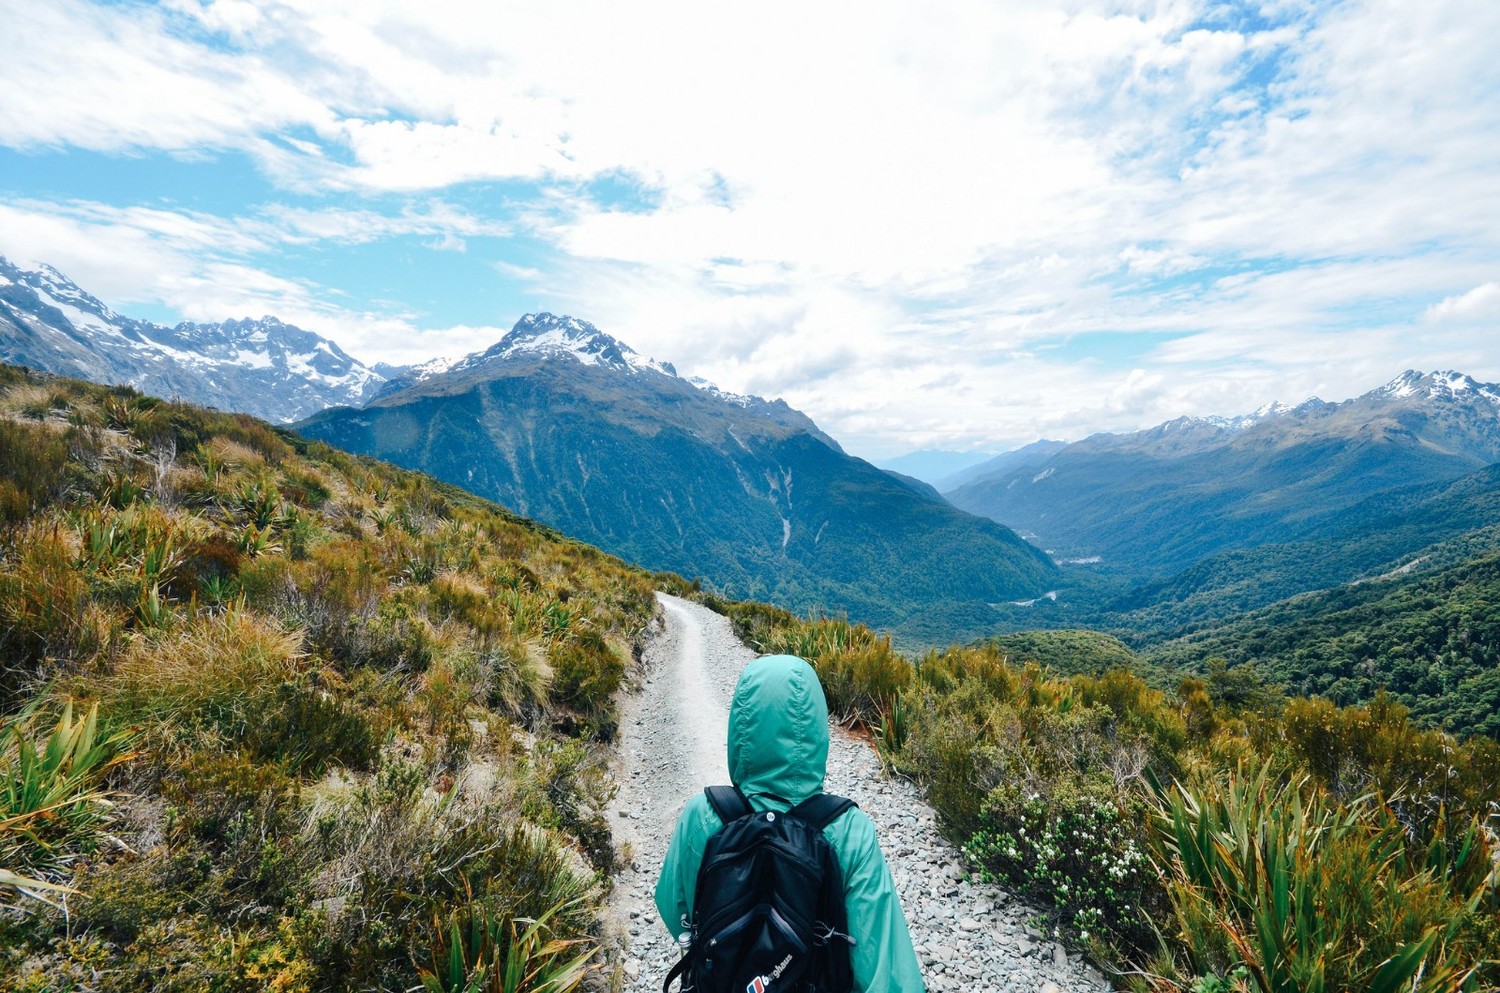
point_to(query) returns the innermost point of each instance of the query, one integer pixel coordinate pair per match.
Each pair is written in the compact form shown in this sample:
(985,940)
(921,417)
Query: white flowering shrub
(1075,849)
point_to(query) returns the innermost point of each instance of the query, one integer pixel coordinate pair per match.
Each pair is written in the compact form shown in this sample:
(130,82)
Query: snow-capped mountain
(262,367)
(1440,386)
(1192,487)
(1266,412)
(540,335)
(567,425)
(549,334)
(544,337)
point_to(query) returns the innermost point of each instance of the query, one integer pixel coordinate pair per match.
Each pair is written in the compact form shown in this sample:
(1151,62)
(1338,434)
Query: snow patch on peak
(1445,384)
(1403,385)
(433,367)
(550,334)
(735,398)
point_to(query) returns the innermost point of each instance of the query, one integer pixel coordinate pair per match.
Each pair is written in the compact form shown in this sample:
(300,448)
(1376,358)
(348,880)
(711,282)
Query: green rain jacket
(778,753)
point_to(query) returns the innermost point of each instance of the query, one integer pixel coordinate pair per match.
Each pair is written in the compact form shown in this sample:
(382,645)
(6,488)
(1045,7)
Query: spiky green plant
(485,954)
(51,800)
(1312,895)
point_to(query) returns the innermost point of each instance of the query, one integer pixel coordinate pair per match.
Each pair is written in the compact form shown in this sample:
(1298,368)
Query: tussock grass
(341,680)
(205,669)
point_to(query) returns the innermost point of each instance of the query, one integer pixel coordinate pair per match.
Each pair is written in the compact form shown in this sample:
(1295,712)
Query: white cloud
(846,200)
(1480,303)
(194,264)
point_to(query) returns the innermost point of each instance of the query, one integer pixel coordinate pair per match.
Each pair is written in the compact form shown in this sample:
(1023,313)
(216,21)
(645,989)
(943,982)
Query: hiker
(778,754)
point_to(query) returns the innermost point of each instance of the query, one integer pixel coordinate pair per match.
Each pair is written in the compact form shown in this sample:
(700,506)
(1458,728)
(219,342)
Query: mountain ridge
(748,493)
(1161,498)
(263,367)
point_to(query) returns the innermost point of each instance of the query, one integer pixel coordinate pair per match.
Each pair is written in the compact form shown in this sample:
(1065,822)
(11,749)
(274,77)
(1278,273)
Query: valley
(1175,541)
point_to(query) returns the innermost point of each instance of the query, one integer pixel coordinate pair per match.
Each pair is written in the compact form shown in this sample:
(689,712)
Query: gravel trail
(968,935)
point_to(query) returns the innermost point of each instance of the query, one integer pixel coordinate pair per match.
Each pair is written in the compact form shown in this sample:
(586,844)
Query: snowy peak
(270,343)
(54,291)
(1267,412)
(1444,385)
(737,399)
(264,367)
(553,335)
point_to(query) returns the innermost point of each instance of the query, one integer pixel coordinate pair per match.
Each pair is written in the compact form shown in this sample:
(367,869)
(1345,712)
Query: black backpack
(768,909)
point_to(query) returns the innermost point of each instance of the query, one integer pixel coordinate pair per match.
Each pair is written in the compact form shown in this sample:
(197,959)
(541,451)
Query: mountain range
(263,367)
(1171,530)
(1152,502)
(1158,533)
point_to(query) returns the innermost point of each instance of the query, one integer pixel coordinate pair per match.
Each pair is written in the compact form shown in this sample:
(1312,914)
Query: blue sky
(958,226)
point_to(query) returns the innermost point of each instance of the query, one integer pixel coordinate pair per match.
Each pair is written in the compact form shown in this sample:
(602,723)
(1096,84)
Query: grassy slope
(1216,837)
(346,717)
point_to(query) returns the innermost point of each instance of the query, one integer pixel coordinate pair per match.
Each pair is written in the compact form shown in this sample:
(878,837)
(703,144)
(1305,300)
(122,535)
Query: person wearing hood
(778,755)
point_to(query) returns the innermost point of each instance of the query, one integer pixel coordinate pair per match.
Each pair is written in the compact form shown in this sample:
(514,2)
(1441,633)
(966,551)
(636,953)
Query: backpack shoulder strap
(821,809)
(728,802)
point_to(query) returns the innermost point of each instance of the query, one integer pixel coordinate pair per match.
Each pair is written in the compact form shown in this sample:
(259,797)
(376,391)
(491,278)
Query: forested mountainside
(563,423)
(277,717)
(1430,641)
(1149,504)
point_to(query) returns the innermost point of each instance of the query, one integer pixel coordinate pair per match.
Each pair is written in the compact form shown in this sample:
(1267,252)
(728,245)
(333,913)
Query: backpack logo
(760,983)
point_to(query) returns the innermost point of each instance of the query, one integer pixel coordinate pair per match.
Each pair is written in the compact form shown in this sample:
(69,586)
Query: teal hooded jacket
(778,754)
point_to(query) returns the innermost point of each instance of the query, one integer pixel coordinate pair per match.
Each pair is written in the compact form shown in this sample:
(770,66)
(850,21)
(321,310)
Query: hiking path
(968,935)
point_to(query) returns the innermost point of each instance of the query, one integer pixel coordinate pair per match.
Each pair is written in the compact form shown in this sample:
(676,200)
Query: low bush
(1078,847)
(586,674)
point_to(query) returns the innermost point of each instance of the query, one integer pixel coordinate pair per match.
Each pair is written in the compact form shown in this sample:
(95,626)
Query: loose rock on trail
(968,935)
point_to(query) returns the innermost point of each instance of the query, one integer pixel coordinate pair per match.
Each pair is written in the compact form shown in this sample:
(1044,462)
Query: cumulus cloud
(1480,303)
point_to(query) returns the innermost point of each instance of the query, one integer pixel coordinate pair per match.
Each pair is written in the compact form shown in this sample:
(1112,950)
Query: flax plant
(1310,895)
(51,800)
(485,954)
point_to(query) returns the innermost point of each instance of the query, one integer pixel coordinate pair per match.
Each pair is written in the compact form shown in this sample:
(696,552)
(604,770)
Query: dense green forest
(1433,642)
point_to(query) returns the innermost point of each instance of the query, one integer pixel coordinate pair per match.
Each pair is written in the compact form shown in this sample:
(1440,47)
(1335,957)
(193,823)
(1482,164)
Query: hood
(778,730)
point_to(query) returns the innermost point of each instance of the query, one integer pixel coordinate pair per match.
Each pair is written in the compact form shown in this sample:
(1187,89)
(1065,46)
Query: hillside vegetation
(1217,837)
(1432,642)
(276,717)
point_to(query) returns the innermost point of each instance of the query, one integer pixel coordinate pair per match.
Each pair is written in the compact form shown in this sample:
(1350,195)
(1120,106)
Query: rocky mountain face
(1158,500)
(565,424)
(262,367)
